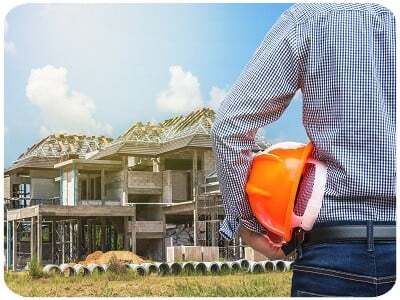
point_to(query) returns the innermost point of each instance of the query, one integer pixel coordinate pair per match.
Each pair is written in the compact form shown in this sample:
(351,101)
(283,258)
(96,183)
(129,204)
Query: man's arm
(257,98)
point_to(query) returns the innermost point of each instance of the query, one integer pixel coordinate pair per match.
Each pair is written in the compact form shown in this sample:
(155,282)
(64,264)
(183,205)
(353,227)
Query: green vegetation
(34,268)
(128,284)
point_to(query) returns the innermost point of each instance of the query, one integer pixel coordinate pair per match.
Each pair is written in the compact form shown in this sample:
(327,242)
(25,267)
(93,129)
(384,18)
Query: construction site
(152,191)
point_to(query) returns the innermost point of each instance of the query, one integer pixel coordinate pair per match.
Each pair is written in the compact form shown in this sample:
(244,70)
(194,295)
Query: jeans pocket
(312,281)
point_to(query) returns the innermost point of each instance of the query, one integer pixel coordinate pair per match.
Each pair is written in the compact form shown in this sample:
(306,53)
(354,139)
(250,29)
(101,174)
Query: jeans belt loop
(299,239)
(370,236)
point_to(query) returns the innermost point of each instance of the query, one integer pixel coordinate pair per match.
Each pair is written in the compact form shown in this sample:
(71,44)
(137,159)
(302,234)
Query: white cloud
(183,92)
(62,110)
(216,96)
(9,46)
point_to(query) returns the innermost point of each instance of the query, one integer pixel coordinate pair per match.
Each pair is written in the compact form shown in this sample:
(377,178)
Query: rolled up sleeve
(259,97)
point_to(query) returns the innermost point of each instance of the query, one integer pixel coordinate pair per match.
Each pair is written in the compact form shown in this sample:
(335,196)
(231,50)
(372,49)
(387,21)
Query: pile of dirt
(99,257)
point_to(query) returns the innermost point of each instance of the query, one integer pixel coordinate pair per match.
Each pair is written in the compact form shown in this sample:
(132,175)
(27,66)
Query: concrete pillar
(164,250)
(8,245)
(156,164)
(14,245)
(194,188)
(53,241)
(102,183)
(87,186)
(133,234)
(39,239)
(62,233)
(75,180)
(103,235)
(79,239)
(126,233)
(71,238)
(124,180)
(213,223)
(115,237)
(33,238)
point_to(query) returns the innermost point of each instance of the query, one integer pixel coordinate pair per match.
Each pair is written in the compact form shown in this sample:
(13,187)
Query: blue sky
(96,69)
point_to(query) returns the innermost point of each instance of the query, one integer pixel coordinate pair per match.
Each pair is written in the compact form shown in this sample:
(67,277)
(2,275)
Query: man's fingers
(260,243)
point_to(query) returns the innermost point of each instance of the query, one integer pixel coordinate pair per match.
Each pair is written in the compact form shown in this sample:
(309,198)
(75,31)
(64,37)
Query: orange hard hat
(272,187)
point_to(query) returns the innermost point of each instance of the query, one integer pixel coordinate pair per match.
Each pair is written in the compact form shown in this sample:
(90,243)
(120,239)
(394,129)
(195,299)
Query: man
(342,58)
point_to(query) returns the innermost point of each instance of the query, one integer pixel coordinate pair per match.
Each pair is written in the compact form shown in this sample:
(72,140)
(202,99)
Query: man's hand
(260,243)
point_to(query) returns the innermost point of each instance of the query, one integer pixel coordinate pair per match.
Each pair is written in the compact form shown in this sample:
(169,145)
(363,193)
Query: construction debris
(100,258)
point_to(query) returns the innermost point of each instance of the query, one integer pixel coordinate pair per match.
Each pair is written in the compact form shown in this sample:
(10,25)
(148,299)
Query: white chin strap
(315,202)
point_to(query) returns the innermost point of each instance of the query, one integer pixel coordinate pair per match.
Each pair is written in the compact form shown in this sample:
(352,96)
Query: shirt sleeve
(258,97)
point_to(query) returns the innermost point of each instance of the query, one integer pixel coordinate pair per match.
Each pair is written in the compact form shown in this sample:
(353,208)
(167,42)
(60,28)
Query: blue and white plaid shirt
(342,58)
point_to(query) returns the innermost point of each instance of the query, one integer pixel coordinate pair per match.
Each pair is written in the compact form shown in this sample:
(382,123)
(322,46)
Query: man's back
(342,58)
(347,56)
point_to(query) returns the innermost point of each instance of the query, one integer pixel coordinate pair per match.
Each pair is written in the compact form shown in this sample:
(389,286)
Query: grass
(128,284)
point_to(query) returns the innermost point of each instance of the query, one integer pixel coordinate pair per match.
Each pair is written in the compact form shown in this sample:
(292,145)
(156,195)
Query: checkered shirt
(342,59)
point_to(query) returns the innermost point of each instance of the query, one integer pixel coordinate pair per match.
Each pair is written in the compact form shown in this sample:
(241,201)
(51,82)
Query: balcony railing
(15,203)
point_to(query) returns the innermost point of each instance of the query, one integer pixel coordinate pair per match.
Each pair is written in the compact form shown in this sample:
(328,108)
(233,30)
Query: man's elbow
(215,130)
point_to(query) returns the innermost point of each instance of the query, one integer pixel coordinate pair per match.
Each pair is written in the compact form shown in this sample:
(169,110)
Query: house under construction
(152,187)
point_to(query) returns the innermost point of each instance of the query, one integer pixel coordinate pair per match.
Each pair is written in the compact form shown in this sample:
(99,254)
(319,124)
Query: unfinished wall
(144,179)
(150,248)
(208,162)
(7,187)
(44,188)
(149,213)
(113,185)
(68,187)
(175,186)
(144,198)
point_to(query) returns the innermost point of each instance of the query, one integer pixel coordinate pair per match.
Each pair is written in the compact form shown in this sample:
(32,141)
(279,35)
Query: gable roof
(56,147)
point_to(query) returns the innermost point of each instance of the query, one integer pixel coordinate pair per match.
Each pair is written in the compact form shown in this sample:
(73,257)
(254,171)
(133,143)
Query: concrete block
(253,255)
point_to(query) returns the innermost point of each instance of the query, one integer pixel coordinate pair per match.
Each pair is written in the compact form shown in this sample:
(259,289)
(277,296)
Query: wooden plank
(210,253)
(192,253)
(251,254)
(175,253)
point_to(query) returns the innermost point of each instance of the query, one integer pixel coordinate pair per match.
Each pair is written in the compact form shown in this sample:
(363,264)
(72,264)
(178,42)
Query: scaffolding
(210,216)
(66,243)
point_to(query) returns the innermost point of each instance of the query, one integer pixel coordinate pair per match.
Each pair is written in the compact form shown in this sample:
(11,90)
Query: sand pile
(99,257)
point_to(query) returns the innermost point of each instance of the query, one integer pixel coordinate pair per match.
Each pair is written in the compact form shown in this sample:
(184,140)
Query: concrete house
(152,187)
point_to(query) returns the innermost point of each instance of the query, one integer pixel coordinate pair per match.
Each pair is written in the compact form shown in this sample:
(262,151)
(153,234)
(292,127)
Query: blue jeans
(345,268)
